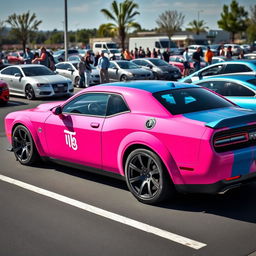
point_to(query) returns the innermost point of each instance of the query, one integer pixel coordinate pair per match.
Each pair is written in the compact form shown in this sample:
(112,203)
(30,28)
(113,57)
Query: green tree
(122,15)
(23,26)
(251,30)
(197,26)
(170,22)
(233,19)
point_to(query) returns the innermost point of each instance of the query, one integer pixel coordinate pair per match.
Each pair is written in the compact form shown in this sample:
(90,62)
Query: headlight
(130,74)
(43,85)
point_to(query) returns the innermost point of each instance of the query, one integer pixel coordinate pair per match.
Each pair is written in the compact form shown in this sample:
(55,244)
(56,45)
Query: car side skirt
(85,168)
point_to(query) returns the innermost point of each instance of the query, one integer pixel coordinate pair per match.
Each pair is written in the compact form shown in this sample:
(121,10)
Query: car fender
(156,145)
(25,120)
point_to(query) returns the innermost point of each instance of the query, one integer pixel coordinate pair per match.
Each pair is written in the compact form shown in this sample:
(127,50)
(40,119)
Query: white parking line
(106,214)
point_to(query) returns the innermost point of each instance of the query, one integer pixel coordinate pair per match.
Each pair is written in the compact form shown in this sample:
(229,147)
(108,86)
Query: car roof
(234,78)
(151,86)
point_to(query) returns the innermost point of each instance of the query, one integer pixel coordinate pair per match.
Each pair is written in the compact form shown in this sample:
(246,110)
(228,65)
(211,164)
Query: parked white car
(70,70)
(34,81)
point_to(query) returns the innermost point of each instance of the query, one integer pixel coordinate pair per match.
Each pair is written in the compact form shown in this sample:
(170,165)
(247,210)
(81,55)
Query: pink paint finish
(184,145)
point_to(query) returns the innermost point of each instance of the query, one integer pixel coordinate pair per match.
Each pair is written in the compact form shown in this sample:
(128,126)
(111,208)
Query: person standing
(81,70)
(148,53)
(43,59)
(229,53)
(208,56)
(28,56)
(88,69)
(196,57)
(103,66)
(186,62)
(96,59)
(154,53)
(166,55)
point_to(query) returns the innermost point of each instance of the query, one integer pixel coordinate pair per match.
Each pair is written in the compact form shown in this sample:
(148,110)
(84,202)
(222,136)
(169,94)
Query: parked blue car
(245,67)
(240,89)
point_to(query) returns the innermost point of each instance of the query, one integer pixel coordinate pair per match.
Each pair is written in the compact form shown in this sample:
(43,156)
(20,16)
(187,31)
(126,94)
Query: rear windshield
(187,100)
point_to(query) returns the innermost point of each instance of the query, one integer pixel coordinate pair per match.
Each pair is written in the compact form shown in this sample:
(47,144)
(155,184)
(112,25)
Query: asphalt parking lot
(48,209)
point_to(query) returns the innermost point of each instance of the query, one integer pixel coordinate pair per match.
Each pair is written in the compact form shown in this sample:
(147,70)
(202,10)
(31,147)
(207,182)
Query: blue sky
(86,13)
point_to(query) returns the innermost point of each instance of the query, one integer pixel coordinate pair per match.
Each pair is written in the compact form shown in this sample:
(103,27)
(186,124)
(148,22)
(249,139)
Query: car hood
(50,79)
(223,117)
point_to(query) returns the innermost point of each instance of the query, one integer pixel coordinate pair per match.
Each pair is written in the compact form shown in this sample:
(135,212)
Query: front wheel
(147,178)
(123,78)
(23,146)
(29,92)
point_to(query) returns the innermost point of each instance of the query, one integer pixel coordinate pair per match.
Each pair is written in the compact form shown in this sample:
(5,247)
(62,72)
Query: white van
(109,48)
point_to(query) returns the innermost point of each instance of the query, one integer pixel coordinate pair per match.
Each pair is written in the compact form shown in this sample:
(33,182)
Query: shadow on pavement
(239,204)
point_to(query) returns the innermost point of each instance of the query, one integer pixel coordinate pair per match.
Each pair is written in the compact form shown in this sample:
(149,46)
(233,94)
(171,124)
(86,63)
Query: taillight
(232,139)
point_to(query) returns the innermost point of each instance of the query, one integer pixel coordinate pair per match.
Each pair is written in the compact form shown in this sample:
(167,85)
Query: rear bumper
(219,187)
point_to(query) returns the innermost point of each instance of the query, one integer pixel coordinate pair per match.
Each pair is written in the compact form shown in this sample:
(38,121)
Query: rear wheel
(29,92)
(23,146)
(76,81)
(147,178)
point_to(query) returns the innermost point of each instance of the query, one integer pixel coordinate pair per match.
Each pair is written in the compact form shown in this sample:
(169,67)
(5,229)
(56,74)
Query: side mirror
(18,75)
(70,69)
(57,111)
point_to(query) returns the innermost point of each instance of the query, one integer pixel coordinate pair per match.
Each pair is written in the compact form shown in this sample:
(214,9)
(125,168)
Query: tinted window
(228,88)
(37,71)
(127,65)
(97,45)
(236,68)
(159,62)
(73,52)
(189,100)
(252,81)
(212,71)
(112,65)
(10,71)
(116,105)
(88,104)
(60,66)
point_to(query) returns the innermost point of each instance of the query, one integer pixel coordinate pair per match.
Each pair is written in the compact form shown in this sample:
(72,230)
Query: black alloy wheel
(29,92)
(23,146)
(147,178)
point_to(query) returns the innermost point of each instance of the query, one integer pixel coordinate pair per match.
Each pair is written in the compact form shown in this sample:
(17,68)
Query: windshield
(159,62)
(127,65)
(37,71)
(111,46)
(114,51)
(187,100)
(168,44)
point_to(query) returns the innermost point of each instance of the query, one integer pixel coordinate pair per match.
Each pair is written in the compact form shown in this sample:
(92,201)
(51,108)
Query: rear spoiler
(233,121)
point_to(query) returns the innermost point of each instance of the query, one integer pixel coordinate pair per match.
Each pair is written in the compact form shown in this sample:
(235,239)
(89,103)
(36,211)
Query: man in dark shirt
(196,57)
(166,55)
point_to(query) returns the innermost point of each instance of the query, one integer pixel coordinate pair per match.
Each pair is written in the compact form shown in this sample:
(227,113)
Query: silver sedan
(34,81)
(123,70)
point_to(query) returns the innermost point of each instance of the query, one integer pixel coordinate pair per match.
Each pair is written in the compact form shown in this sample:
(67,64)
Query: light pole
(66,29)
(198,13)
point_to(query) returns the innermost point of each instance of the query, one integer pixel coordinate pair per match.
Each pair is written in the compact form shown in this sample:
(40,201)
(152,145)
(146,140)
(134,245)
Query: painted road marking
(106,214)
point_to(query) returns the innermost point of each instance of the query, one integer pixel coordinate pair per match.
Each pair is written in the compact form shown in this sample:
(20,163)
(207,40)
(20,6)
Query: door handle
(95,125)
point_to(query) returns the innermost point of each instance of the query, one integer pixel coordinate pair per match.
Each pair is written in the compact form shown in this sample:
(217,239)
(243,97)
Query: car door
(113,72)
(6,77)
(16,81)
(75,135)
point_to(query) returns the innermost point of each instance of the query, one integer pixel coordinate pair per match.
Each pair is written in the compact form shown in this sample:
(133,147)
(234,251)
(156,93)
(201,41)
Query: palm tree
(122,15)
(197,26)
(23,26)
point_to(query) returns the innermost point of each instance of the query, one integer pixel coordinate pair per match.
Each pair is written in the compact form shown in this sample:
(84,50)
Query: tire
(147,177)
(29,92)
(123,78)
(76,81)
(23,146)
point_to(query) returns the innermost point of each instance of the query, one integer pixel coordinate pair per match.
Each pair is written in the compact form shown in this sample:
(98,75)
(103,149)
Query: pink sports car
(160,136)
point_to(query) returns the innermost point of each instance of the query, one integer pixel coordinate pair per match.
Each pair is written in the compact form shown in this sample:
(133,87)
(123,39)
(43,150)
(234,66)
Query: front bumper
(219,187)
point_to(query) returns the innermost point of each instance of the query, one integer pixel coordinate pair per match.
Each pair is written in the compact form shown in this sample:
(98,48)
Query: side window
(144,63)
(112,65)
(88,104)
(235,68)
(212,71)
(14,71)
(116,105)
(172,58)
(137,62)
(157,45)
(234,89)
(216,86)
(60,66)
(97,45)
(7,71)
